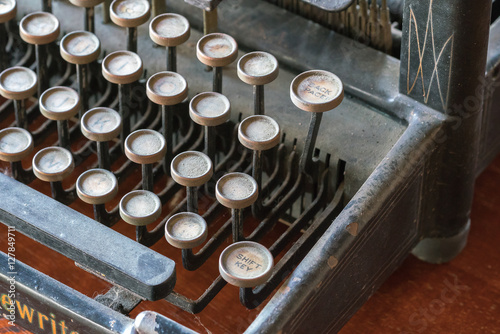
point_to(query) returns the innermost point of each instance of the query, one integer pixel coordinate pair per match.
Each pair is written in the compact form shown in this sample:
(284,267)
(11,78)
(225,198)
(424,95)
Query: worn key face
(145,146)
(122,67)
(217,50)
(53,164)
(59,103)
(236,190)
(101,124)
(191,168)
(15,144)
(86,3)
(18,83)
(246,264)
(169,29)
(258,68)
(8,10)
(39,28)
(210,109)
(317,91)
(259,132)
(186,230)
(166,88)
(80,47)
(129,13)
(140,207)
(96,186)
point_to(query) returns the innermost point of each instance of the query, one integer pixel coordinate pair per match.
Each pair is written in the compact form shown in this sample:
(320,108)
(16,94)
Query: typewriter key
(258,69)
(81,48)
(60,104)
(123,68)
(89,19)
(191,169)
(217,50)
(8,11)
(167,89)
(315,91)
(258,133)
(101,125)
(130,14)
(236,191)
(186,230)
(170,30)
(18,83)
(246,264)
(145,147)
(140,207)
(15,145)
(39,29)
(53,164)
(210,109)
(97,186)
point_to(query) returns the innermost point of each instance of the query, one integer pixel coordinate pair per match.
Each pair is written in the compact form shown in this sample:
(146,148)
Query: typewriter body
(392,170)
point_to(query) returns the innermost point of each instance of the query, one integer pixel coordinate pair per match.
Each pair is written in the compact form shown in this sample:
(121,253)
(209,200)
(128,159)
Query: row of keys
(313,91)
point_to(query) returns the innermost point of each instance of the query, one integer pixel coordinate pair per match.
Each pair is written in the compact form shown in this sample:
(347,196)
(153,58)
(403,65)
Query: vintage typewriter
(148,187)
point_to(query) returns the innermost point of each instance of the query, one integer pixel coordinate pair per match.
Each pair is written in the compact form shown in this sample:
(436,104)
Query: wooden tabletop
(462,296)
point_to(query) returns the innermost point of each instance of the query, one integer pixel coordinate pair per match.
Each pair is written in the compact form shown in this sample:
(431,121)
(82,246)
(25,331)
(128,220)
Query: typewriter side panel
(363,245)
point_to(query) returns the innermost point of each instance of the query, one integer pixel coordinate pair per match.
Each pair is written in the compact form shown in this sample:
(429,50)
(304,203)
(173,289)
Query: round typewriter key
(89,18)
(18,83)
(167,89)
(315,91)
(217,50)
(258,133)
(236,191)
(191,169)
(170,30)
(8,10)
(101,125)
(130,14)
(60,104)
(96,186)
(123,68)
(258,69)
(210,109)
(145,147)
(186,230)
(15,144)
(246,264)
(53,164)
(81,48)
(39,29)
(140,207)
